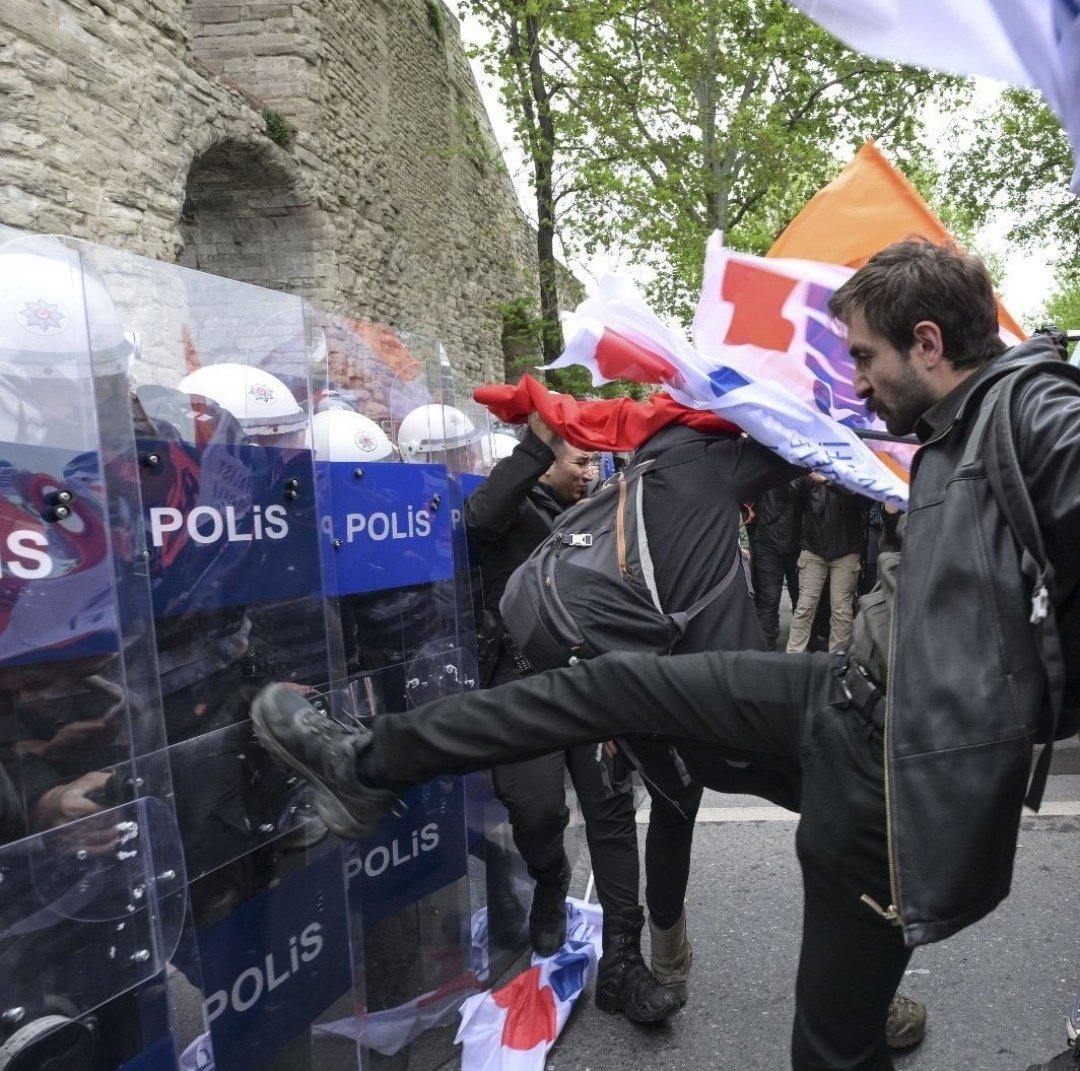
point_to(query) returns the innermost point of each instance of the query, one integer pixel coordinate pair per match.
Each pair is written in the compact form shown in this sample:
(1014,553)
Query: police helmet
(342,435)
(432,429)
(496,445)
(260,402)
(57,317)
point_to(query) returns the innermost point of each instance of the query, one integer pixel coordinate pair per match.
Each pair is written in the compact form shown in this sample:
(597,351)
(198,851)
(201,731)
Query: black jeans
(674,805)
(534,793)
(770,569)
(785,712)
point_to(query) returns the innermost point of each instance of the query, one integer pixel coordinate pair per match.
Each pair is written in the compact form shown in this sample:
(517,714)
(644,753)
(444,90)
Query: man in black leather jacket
(915,751)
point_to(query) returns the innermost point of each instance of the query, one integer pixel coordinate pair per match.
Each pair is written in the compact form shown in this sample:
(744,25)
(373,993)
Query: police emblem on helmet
(261,393)
(43,317)
(365,441)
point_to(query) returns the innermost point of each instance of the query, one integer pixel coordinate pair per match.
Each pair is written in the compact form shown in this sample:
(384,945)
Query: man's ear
(928,348)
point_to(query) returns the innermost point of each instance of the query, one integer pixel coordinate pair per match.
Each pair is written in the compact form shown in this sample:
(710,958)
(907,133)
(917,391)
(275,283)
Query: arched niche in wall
(248,216)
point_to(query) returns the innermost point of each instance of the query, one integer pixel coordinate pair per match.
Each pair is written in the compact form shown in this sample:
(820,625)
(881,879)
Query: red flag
(603,424)
(618,357)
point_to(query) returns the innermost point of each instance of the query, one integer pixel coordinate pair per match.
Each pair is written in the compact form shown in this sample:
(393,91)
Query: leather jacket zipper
(891,913)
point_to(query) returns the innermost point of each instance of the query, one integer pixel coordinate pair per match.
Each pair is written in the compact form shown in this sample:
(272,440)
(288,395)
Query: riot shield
(221,414)
(93,889)
(393,587)
(501,889)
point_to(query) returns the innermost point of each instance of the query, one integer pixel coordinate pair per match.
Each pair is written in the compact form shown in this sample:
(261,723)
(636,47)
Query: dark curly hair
(915,280)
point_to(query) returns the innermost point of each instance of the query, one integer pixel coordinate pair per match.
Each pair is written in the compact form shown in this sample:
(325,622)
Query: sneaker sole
(612,1006)
(903,1042)
(338,820)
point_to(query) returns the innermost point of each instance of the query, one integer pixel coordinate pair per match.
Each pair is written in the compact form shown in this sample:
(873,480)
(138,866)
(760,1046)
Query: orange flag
(868,206)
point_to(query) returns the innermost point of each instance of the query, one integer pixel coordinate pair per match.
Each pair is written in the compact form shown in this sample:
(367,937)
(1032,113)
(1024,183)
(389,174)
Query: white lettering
(382,526)
(234,535)
(429,837)
(380,521)
(22,543)
(277,527)
(164,519)
(217,525)
(238,1001)
(311,941)
(273,980)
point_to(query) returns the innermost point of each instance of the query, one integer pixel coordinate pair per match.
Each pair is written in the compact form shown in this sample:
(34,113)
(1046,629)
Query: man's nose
(862,384)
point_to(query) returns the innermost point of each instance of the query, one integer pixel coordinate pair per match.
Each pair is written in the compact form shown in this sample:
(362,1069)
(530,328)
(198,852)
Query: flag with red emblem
(513,1028)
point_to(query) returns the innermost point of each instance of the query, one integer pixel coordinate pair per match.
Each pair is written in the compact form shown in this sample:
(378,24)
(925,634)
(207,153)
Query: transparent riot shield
(221,411)
(501,889)
(92,889)
(388,523)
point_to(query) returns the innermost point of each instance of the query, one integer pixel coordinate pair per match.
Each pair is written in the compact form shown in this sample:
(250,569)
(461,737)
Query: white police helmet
(343,435)
(496,445)
(260,402)
(434,428)
(57,317)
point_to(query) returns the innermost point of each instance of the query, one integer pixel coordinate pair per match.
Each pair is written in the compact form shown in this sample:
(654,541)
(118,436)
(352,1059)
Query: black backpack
(995,435)
(589,587)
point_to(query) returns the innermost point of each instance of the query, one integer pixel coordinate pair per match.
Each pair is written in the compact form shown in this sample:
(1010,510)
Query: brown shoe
(906,1024)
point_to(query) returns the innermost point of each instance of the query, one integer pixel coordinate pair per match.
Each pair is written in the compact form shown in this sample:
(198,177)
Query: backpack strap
(684,617)
(996,427)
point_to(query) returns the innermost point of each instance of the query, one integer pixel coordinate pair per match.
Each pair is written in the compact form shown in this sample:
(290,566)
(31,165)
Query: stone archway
(247,216)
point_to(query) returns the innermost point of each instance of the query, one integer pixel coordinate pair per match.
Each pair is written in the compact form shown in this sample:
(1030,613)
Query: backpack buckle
(577,539)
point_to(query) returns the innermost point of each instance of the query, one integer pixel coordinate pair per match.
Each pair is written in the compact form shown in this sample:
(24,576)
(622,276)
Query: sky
(1027,281)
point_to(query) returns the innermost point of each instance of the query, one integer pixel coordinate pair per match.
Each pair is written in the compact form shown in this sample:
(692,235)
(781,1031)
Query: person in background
(774,557)
(832,525)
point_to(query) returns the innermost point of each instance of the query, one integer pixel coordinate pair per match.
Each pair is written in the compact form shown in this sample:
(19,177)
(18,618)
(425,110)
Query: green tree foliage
(661,121)
(1019,163)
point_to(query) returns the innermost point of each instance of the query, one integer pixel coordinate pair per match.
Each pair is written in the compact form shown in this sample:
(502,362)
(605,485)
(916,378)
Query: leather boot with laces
(671,957)
(324,753)
(623,982)
(547,916)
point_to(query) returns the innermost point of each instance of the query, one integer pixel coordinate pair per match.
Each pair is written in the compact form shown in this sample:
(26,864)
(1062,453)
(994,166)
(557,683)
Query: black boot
(623,983)
(547,916)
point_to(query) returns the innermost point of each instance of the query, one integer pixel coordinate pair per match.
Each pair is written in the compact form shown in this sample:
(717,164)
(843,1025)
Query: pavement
(998,992)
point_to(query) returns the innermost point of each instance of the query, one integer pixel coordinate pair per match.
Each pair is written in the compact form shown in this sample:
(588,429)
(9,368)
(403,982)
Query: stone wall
(140,124)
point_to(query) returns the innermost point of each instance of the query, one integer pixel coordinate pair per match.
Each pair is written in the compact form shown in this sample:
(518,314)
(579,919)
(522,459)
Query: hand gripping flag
(513,1028)
(1025,42)
(746,379)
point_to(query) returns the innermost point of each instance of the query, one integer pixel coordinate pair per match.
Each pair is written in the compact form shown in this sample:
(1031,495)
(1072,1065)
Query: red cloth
(603,424)
(618,357)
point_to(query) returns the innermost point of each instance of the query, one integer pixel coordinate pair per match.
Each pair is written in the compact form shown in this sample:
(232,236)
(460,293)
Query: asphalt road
(998,992)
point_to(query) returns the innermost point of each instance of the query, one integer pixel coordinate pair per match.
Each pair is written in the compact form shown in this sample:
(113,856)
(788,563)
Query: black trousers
(770,570)
(534,794)
(674,803)
(784,712)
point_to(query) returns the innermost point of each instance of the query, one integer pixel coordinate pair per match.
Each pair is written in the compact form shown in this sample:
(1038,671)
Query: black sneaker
(324,753)
(1069,1060)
